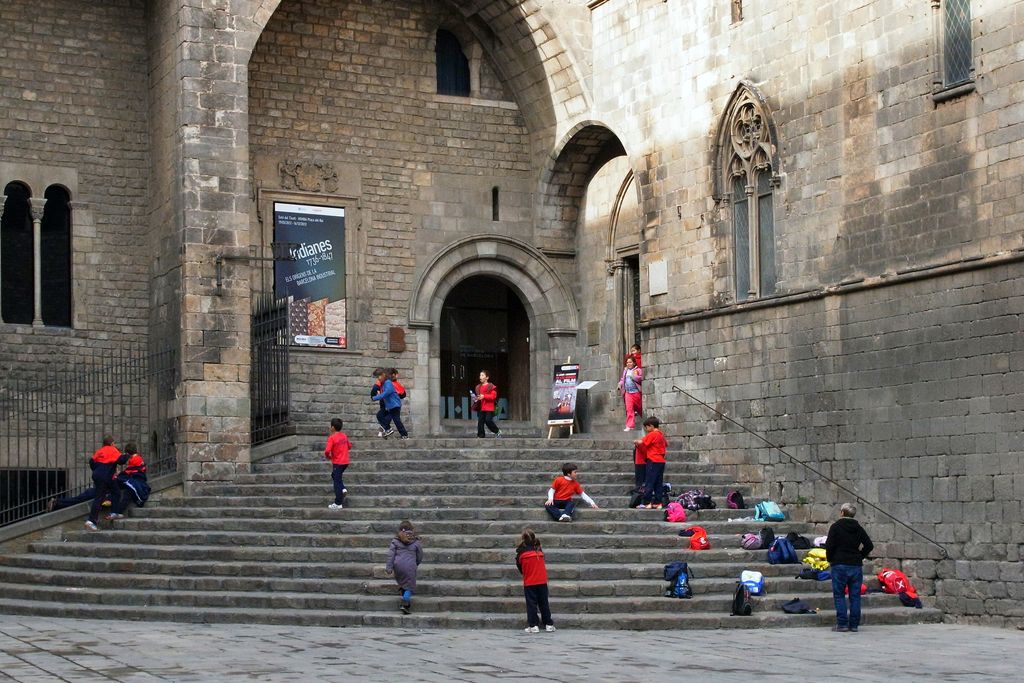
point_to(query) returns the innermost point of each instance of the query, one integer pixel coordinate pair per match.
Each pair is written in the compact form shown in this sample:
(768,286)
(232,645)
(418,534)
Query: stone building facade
(808,213)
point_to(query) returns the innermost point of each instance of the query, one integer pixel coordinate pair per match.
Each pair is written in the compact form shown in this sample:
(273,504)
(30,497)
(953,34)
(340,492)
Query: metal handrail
(780,449)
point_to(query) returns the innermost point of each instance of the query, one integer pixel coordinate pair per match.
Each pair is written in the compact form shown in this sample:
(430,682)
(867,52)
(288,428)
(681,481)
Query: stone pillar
(213,206)
(38,205)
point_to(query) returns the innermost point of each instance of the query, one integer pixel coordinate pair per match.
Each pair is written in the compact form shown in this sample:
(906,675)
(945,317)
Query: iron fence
(268,385)
(52,418)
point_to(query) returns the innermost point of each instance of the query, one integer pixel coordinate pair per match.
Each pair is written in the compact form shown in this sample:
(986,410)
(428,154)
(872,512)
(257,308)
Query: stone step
(397,473)
(507,586)
(117,565)
(460,620)
(507,530)
(315,507)
(93,545)
(437,542)
(424,604)
(401,452)
(427,467)
(537,489)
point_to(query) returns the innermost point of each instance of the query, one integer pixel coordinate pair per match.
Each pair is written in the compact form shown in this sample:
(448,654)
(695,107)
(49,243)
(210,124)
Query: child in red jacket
(653,446)
(336,451)
(559,503)
(530,562)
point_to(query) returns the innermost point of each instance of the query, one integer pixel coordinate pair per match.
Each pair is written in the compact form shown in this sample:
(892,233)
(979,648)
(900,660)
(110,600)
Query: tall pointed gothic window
(747,177)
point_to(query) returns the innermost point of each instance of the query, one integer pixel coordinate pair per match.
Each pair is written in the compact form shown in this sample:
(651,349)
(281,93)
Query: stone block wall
(74,85)
(909,393)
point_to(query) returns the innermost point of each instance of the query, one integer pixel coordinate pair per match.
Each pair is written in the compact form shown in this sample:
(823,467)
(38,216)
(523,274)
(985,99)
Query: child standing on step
(336,451)
(559,503)
(404,556)
(654,447)
(530,562)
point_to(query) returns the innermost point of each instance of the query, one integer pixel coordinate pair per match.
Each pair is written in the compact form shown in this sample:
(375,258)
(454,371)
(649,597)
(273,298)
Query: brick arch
(563,182)
(526,49)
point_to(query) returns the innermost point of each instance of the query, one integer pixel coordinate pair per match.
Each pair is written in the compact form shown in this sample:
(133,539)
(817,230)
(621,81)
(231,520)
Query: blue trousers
(393,415)
(639,475)
(560,507)
(537,600)
(847,576)
(654,482)
(337,472)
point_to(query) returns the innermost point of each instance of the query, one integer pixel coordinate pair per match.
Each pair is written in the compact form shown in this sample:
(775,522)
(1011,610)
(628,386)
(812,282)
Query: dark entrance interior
(484,326)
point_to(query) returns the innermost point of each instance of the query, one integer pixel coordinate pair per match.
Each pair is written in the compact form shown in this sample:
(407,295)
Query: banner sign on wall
(315,281)
(563,395)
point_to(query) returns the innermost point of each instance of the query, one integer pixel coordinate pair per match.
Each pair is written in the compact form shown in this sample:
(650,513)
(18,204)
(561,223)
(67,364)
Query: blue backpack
(768,510)
(782,552)
(678,575)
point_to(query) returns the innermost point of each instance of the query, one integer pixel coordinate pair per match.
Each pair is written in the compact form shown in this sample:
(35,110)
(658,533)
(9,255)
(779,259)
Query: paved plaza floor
(45,649)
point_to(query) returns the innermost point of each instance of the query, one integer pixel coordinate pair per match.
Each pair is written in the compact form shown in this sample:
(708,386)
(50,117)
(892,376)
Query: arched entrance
(484,326)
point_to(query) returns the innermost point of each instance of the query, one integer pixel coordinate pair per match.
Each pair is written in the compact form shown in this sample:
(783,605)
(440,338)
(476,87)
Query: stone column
(38,205)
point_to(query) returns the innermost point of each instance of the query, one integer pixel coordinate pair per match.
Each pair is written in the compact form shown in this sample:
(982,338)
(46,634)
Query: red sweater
(135,466)
(654,446)
(107,455)
(488,394)
(337,448)
(566,488)
(530,561)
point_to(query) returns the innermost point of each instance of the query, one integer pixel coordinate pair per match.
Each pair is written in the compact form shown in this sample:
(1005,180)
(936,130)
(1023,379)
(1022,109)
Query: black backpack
(704,503)
(767,537)
(741,605)
(799,542)
(636,498)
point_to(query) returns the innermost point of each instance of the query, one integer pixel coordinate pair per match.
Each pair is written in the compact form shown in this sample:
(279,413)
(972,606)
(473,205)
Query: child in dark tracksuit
(530,562)
(104,463)
(132,483)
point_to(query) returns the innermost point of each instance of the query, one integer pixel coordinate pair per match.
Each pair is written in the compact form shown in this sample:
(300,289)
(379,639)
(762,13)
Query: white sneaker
(334,506)
(388,433)
(531,629)
(626,429)
(565,518)
(344,490)
(90,526)
(550,628)
(114,515)
(380,433)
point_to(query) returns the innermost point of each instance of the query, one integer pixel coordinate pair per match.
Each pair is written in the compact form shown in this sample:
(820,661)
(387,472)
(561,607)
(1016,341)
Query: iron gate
(268,386)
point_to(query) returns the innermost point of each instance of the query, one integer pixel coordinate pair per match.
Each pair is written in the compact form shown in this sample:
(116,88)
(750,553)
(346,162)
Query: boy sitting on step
(559,503)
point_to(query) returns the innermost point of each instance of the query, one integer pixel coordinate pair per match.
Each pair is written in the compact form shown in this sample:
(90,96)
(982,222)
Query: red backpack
(895,581)
(699,539)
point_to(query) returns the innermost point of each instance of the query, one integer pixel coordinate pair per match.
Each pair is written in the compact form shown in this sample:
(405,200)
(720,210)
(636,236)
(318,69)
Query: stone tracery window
(748,176)
(954,48)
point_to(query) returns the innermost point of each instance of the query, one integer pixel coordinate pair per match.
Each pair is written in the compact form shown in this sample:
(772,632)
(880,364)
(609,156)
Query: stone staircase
(266,549)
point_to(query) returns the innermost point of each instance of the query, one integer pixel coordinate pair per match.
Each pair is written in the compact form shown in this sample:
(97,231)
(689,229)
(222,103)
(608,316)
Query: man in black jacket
(846,548)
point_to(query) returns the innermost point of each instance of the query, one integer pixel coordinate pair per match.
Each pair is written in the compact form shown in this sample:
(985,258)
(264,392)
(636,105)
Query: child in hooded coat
(404,556)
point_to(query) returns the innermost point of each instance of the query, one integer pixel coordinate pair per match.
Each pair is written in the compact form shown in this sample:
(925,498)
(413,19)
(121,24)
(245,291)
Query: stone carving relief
(309,176)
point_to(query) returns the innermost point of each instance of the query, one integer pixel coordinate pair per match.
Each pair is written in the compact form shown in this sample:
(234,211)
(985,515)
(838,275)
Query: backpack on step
(689,499)
(754,581)
(816,558)
(767,537)
(705,503)
(769,511)
(678,576)
(698,537)
(750,541)
(675,512)
(741,605)
(799,542)
(636,497)
(782,552)
(734,501)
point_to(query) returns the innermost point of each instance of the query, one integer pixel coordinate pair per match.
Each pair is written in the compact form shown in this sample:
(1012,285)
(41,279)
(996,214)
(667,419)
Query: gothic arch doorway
(484,326)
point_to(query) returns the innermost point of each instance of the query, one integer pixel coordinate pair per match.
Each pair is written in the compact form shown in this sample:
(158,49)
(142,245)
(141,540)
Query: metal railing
(53,418)
(859,498)
(269,387)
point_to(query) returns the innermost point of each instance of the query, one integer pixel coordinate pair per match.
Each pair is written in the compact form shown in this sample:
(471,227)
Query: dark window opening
(495,211)
(765,235)
(452,65)
(632,321)
(55,258)
(17,258)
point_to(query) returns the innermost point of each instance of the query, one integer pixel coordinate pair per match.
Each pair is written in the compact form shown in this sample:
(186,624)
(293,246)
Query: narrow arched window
(17,300)
(495,207)
(452,65)
(747,176)
(55,258)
